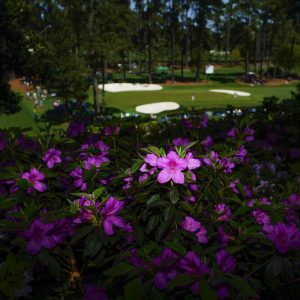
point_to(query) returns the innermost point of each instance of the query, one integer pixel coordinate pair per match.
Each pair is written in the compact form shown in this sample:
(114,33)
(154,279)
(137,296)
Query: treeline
(70,44)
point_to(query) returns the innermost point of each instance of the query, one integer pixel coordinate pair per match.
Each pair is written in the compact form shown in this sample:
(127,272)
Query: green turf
(24,118)
(224,78)
(127,101)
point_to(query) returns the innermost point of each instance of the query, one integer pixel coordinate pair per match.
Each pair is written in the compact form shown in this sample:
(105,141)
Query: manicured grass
(24,118)
(224,78)
(127,101)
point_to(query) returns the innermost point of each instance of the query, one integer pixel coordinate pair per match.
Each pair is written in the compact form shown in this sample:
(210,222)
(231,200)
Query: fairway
(127,101)
(182,94)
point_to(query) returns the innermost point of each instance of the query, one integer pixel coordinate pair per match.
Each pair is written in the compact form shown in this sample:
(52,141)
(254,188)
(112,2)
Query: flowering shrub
(186,209)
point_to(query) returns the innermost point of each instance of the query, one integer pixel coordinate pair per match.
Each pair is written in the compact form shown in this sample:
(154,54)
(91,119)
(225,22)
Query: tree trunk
(103,70)
(172,55)
(123,68)
(96,94)
(149,58)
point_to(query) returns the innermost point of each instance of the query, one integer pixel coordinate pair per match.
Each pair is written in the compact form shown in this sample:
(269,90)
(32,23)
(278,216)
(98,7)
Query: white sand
(128,87)
(155,108)
(232,92)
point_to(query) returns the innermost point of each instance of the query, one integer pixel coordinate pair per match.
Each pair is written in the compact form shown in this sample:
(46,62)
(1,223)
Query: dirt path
(17,86)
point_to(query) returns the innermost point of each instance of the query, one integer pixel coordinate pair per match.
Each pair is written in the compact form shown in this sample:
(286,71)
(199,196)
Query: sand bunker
(129,87)
(155,108)
(231,92)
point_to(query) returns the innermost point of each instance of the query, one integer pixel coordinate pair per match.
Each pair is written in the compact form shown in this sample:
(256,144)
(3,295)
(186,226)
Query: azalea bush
(187,208)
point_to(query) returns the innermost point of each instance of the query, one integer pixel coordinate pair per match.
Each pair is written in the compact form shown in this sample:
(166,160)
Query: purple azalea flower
(248,191)
(207,142)
(112,130)
(181,142)
(232,133)
(135,260)
(294,201)
(128,181)
(204,121)
(34,177)
(233,184)
(75,129)
(227,164)
(223,236)
(223,211)
(92,162)
(249,134)
(284,237)
(172,166)
(39,237)
(110,216)
(265,201)
(85,214)
(151,159)
(93,292)
(188,124)
(52,157)
(191,264)
(225,261)
(241,153)
(166,264)
(222,291)
(192,163)
(78,175)
(191,225)
(143,178)
(261,217)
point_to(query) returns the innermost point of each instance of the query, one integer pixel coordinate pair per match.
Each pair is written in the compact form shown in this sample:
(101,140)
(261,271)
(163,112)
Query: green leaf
(7,203)
(44,257)
(118,270)
(81,233)
(187,206)
(176,246)
(134,290)
(154,150)
(155,198)
(276,265)
(206,292)
(136,166)
(98,192)
(174,195)
(6,288)
(241,285)
(161,230)
(181,280)
(242,210)
(139,235)
(169,212)
(190,145)
(152,223)
(23,184)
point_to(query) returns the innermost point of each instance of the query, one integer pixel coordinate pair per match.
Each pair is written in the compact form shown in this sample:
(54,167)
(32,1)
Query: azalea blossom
(78,175)
(93,292)
(225,261)
(34,178)
(172,166)
(191,225)
(110,216)
(52,157)
(285,237)
(223,211)
(192,264)
(207,142)
(167,268)
(181,142)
